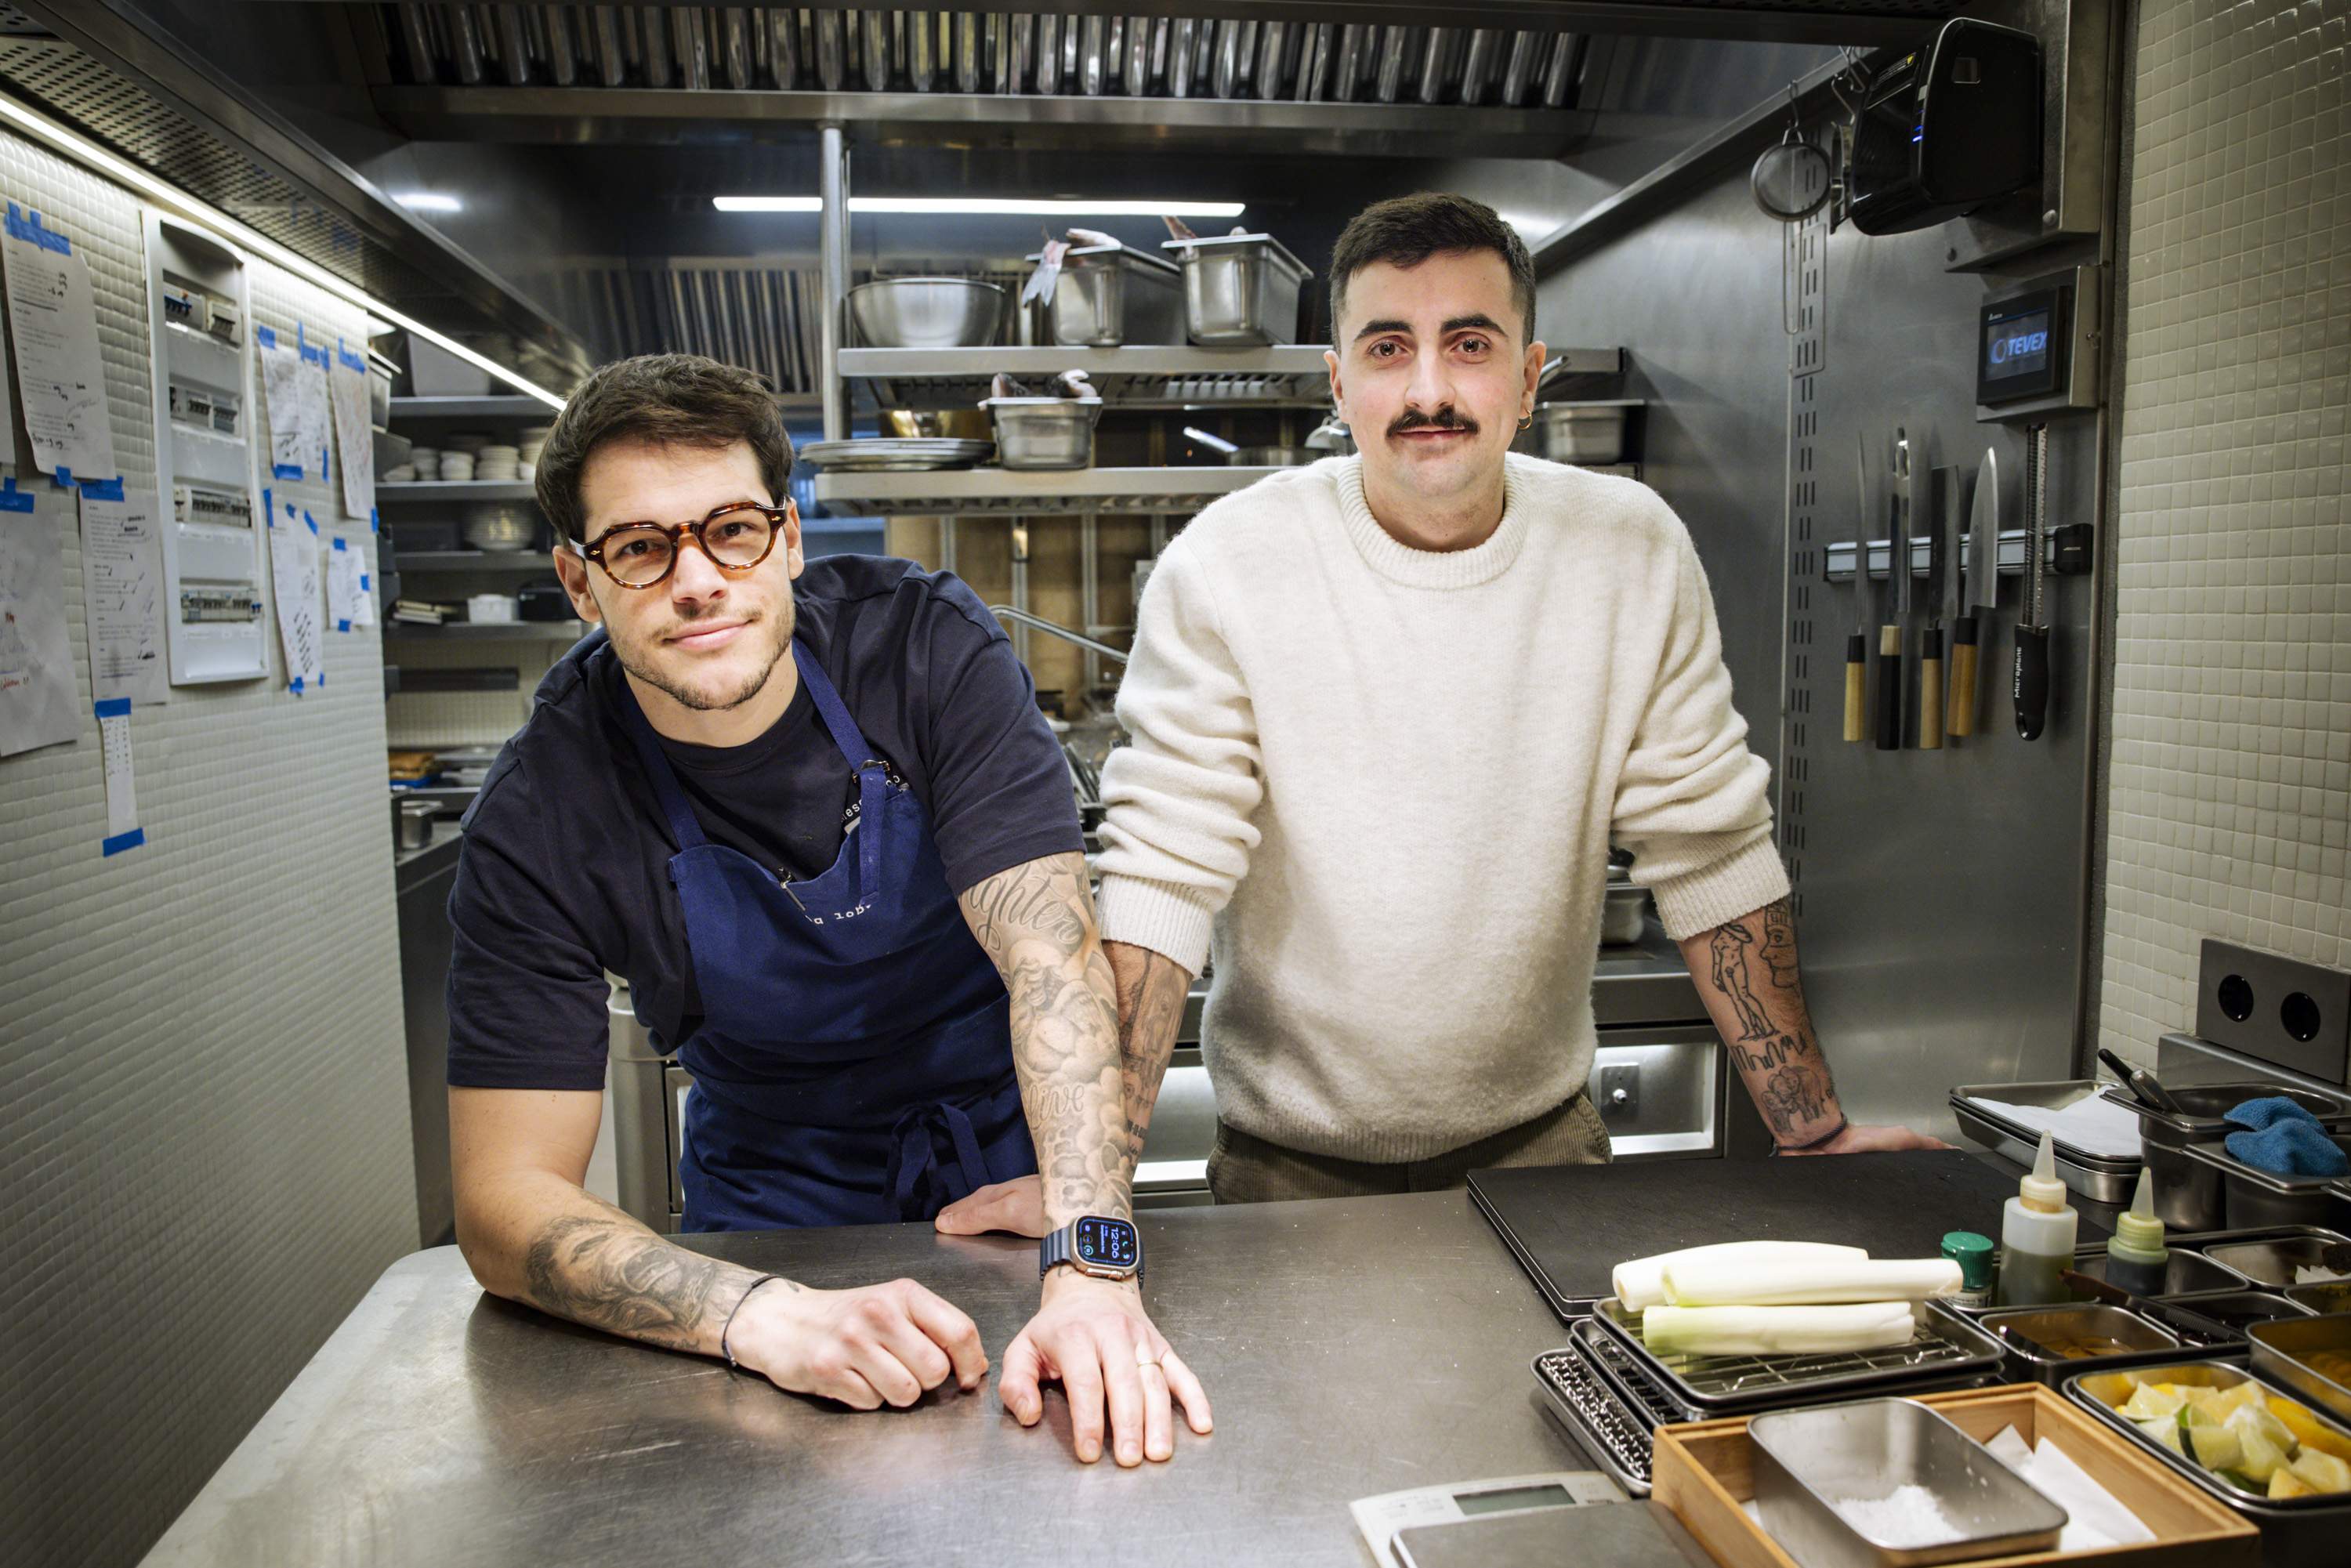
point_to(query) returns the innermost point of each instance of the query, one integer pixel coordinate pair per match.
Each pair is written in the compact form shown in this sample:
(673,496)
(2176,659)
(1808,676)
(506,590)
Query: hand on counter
(867,1347)
(1016,1206)
(1858,1139)
(1094,1337)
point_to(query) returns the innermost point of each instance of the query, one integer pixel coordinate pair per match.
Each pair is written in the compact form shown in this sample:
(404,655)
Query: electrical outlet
(2280,1009)
(1620,1091)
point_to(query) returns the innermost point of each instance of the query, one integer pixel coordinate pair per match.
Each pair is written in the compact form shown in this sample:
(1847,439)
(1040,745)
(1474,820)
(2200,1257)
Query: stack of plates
(497,462)
(895,454)
(527,447)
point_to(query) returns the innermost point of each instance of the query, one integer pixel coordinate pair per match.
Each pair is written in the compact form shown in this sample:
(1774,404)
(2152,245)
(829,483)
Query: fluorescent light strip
(985,206)
(93,156)
(428,202)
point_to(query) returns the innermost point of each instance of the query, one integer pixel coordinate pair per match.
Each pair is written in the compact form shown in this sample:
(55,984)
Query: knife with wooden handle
(1983,593)
(1942,600)
(1897,600)
(1857,646)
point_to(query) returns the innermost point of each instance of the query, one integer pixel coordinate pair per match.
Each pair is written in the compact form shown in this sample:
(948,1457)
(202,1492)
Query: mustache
(1443,419)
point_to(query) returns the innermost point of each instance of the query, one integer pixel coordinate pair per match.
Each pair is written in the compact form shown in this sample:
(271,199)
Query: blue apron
(854,1063)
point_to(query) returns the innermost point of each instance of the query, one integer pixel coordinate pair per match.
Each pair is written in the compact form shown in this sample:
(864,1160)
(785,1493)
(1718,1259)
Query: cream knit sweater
(1380,783)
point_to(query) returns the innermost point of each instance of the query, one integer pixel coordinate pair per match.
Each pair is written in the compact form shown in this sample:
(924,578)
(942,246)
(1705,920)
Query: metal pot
(926,312)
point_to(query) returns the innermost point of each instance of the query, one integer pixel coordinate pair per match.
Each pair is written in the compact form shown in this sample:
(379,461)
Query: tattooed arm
(1151,988)
(532,1233)
(1745,971)
(1037,921)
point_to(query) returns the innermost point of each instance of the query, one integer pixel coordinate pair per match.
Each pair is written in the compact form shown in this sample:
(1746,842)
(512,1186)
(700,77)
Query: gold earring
(1528,423)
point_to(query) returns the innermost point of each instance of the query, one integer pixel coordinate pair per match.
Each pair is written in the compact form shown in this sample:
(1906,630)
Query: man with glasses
(811,814)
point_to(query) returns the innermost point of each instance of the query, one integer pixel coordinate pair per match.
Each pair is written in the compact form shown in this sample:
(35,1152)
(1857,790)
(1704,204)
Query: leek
(1805,1281)
(1640,1283)
(1777,1330)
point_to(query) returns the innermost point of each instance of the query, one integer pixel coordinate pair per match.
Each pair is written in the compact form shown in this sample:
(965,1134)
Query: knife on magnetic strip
(1942,599)
(1897,600)
(1983,594)
(1857,646)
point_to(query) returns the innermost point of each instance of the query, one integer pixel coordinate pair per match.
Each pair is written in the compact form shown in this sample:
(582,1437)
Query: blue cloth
(854,1063)
(2286,1140)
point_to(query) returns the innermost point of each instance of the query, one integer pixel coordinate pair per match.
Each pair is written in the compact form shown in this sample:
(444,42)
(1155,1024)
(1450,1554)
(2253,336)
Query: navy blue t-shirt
(564,873)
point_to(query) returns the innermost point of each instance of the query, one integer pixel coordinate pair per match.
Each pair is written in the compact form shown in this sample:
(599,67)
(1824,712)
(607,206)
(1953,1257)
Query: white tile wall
(204,1154)
(2230,790)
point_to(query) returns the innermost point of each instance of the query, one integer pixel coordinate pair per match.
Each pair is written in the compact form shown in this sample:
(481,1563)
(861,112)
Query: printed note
(122,829)
(122,595)
(37,672)
(354,436)
(345,597)
(294,573)
(53,318)
(279,369)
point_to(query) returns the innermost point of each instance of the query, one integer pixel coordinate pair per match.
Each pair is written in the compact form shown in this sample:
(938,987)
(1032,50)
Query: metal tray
(2183,1272)
(2235,1309)
(2320,1301)
(2281,1352)
(2265,1256)
(2101,1179)
(2028,1359)
(894,455)
(1945,1345)
(2304,1532)
(2251,1196)
(1597,1416)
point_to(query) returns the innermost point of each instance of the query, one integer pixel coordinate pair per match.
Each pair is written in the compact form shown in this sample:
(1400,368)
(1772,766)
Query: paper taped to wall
(122,829)
(354,435)
(53,317)
(122,595)
(294,579)
(37,672)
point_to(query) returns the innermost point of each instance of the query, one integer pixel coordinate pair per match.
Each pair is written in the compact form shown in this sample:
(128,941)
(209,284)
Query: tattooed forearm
(1746,973)
(598,1266)
(1037,922)
(1152,988)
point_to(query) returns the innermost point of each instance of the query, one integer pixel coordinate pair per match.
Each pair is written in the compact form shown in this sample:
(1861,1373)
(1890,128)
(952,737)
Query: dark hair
(669,400)
(1405,231)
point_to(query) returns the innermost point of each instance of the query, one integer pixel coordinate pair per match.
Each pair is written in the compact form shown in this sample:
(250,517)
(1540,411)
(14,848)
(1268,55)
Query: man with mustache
(1389,711)
(811,814)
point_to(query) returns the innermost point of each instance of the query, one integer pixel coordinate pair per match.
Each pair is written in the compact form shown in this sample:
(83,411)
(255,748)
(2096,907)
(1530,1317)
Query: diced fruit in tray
(2251,1438)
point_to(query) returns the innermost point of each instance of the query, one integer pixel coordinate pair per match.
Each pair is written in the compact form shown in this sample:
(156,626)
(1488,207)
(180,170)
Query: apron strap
(873,773)
(912,1162)
(682,826)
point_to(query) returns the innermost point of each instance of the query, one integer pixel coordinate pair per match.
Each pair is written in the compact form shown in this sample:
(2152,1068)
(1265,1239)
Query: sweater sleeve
(1693,804)
(1177,834)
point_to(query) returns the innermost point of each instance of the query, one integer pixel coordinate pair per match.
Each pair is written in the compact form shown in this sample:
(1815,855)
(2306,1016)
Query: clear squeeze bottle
(2036,1235)
(2136,1259)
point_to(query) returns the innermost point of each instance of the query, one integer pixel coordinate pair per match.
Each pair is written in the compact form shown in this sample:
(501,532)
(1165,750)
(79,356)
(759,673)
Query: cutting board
(1570,1224)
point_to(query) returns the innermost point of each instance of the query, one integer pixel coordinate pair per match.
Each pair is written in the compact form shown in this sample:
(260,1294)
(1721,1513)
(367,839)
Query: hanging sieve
(1791,179)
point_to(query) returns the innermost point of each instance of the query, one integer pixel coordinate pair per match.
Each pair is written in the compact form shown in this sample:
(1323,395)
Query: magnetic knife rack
(1839,565)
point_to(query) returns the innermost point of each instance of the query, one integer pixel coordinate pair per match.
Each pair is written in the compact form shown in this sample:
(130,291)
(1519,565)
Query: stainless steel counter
(1350,1347)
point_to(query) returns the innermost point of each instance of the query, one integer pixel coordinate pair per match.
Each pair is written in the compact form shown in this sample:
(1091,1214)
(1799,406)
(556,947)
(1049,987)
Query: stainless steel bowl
(1044,433)
(926,312)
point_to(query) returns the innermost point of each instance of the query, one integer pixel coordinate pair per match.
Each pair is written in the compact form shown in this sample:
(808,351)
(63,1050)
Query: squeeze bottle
(2036,1235)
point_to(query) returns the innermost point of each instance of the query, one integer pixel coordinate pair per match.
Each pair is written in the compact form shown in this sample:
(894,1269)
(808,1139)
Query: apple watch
(1095,1245)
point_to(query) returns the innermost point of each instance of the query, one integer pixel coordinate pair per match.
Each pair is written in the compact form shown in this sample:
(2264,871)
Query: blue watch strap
(1051,1250)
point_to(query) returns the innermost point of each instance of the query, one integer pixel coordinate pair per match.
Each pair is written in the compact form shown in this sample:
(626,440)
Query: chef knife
(1897,601)
(1942,600)
(1856,647)
(2030,684)
(1983,592)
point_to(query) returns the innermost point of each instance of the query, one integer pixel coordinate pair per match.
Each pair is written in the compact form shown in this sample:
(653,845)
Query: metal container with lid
(2187,1194)
(1814,1469)
(1107,296)
(1239,290)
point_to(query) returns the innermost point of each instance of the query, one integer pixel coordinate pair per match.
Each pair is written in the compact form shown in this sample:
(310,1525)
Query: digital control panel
(2038,349)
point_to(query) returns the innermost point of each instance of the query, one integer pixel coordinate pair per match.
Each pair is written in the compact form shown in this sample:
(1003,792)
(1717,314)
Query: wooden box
(1702,1472)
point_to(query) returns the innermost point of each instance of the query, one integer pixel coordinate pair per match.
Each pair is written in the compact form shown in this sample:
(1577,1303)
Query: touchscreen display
(1106,1241)
(2016,348)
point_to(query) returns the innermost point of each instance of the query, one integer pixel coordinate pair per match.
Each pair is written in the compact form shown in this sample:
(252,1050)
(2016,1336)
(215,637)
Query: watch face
(1107,1243)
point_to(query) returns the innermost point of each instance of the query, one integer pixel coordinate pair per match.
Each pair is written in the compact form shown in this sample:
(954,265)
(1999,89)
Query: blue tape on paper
(265,337)
(102,489)
(373,526)
(348,359)
(306,517)
(339,626)
(12,499)
(339,538)
(284,471)
(268,504)
(63,477)
(295,686)
(30,231)
(366,583)
(121,842)
(113,707)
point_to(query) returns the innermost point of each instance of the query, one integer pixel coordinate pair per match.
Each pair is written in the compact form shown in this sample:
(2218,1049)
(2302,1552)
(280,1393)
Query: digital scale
(1381,1518)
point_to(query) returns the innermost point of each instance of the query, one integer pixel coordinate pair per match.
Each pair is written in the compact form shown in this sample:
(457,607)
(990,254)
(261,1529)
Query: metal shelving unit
(1138,376)
(489,630)
(476,562)
(518,407)
(421,490)
(999,492)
